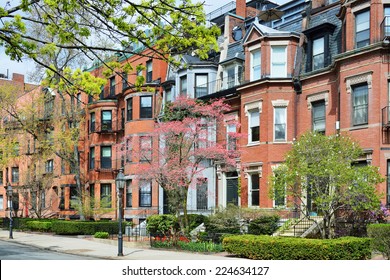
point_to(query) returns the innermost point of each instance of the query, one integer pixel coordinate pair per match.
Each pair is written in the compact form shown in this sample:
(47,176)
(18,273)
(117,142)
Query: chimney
(19,78)
(241,8)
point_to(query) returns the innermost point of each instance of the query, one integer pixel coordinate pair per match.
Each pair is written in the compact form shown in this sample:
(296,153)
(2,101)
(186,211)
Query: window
(255,73)
(1,177)
(254,126)
(149,71)
(232,188)
(15,174)
(318,116)
(92,123)
(201,85)
(146,107)
(92,193)
(129,149)
(183,85)
(78,100)
(360,104)
(145,193)
(124,81)
(105,195)
(105,157)
(386,20)
(362,36)
(129,194)
(16,149)
(231,143)
(49,105)
(122,118)
(129,109)
(254,186)
(106,120)
(168,95)
(1,202)
(201,194)
(112,86)
(318,53)
(49,166)
(139,70)
(43,200)
(90,98)
(278,61)
(145,148)
(280,120)
(92,158)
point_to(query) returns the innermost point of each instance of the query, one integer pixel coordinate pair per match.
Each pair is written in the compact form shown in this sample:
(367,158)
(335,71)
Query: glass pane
(106,115)
(232,191)
(106,151)
(254,118)
(201,80)
(146,101)
(363,21)
(318,46)
(278,54)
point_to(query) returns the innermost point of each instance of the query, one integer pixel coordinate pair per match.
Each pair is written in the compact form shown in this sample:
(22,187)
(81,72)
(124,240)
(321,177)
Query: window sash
(255,190)
(129,109)
(129,193)
(183,85)
(256,65)
(201,195)
(318,53)
(201,85)
(362,32)
(280,123)
(146,107)
(360,105)
(254,126)
(105,192)
(318,116)
(145,194)
(278,64)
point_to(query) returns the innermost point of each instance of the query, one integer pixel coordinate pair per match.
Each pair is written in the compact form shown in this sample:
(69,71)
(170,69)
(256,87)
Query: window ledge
(253,144)
(357,127)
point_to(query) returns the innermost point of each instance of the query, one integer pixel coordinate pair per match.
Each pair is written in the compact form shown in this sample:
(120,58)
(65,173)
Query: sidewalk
(104,249)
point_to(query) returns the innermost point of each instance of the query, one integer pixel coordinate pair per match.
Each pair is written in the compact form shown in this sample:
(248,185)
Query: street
(14,251)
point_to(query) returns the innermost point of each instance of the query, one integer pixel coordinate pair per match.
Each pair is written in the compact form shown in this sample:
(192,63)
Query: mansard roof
(266,31)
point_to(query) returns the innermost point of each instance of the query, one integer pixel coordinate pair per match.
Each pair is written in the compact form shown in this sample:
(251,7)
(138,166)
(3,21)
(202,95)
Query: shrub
(224,221)
(380,234)
(39,226)
(264,225)
(201,247)
(101,234)
(194,220)
(288,248)
(84,228)
(165,225)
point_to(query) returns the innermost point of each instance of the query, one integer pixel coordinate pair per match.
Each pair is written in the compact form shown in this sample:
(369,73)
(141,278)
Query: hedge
(84,228)
(39,225)
(263,247)
(380,234)
(264,225)
(101,234)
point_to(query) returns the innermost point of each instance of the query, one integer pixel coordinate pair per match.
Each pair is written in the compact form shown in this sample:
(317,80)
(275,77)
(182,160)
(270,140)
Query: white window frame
(249,108)
(278,63)
(280,104)
(254,77)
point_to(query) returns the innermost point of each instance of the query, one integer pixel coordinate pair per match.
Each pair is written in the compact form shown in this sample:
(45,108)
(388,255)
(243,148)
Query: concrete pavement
(101,248)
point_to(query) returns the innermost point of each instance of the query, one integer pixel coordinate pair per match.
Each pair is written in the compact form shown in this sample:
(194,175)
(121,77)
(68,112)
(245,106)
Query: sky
(26,66)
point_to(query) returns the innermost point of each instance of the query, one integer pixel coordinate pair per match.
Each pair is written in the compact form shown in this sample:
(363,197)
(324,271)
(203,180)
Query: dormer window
(255,65)
(318,53)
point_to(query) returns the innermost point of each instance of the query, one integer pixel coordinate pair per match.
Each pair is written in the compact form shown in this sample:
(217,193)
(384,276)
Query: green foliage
(288,248)
(101,234)
(264,225)
(39,226)
(201,247)
(323,167)
(380,234)
(224,221)
(194,220)
(84,228)
(165,225)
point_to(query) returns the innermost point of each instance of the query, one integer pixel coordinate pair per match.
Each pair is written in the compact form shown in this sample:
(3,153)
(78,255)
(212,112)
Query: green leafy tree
(166,27)
(320,174)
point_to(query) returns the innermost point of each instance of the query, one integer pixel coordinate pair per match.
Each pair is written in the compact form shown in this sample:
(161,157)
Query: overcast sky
(24,68)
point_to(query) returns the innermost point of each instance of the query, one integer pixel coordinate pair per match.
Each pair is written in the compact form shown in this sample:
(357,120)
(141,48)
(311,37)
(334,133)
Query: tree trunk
(80,190)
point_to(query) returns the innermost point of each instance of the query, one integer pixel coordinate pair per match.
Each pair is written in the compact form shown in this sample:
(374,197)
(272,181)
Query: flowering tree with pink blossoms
(187,137)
